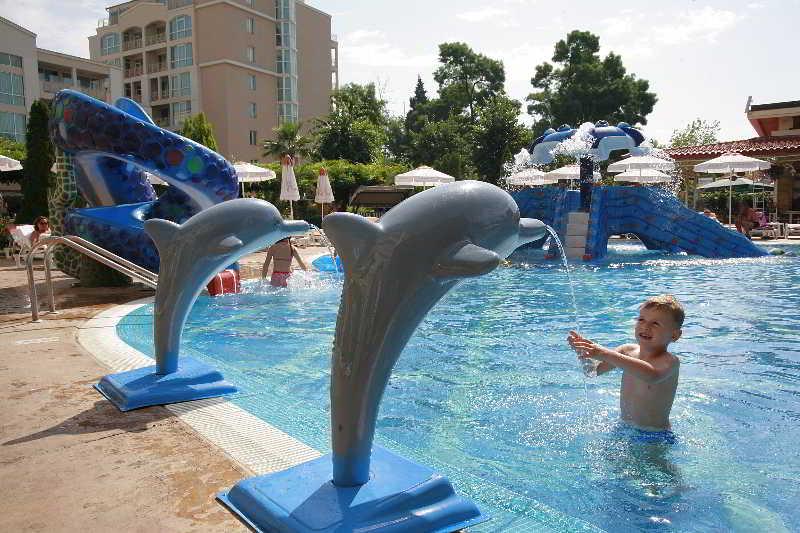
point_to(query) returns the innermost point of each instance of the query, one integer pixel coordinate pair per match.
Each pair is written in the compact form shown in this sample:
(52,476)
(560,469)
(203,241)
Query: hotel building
(28,73)
(249,65)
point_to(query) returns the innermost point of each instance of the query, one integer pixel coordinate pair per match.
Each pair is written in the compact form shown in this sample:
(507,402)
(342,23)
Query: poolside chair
(765,230)
(792,230)
(21,247)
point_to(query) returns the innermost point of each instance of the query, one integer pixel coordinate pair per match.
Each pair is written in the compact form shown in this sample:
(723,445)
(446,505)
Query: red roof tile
(763,146)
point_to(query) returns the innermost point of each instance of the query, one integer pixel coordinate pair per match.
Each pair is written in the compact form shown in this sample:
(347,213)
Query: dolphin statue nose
(295,227)
(531,229)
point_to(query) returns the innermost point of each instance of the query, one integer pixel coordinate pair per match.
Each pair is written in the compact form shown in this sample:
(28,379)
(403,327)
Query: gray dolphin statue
(394,273)
(192,253)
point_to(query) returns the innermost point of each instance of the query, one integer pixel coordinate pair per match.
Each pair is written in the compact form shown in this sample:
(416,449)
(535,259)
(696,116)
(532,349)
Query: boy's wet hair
(668,303)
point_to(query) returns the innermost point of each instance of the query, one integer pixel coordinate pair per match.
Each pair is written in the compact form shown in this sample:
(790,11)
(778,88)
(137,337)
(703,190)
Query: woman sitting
(746,219)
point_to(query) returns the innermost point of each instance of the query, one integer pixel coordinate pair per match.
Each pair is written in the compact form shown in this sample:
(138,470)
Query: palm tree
(288,141)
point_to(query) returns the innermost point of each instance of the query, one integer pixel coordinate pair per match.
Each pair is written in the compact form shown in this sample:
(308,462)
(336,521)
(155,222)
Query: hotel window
(10,60)
(287,113)
(250,25)
(12,126)
(12,90)
(286,90)
(251,82)
(253,110)
(248,2)
(181,55)
(181,84)
(180,27)
(180,112)
(253,137)
(109,44)
(251,54)
(796,123)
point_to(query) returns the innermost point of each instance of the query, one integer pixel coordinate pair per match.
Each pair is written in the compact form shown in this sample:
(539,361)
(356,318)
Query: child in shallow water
(649,371)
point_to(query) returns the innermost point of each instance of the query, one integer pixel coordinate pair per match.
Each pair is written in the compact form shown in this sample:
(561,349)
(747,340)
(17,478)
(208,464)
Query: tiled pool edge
(245,439)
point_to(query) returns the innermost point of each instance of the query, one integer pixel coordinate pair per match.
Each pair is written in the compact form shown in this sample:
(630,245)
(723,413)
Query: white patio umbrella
(423,176)
(568,172)
(289,189)
(250,173)
(8,164)
(728,164)
(530,177)
(324,193)
(641,162)
(643,175)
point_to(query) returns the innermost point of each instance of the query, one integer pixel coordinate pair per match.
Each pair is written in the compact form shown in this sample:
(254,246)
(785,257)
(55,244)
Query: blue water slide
(657,217)
(112,147)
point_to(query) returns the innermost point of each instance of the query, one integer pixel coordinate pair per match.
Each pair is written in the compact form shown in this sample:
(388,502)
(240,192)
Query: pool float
(110,147)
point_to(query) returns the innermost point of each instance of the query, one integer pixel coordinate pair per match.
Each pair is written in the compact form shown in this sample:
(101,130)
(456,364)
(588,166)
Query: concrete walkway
(69,461)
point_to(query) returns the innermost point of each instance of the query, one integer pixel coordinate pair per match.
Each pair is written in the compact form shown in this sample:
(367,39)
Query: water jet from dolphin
(395,271)
(191,254)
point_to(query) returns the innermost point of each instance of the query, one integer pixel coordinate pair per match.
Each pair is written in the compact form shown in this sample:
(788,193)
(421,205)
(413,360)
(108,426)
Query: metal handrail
(89,249)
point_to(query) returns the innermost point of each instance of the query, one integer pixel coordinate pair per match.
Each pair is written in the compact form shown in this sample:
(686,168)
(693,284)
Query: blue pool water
(489,394)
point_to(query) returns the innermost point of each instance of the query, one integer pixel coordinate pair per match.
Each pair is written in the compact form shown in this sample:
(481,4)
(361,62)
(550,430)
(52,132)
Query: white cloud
(704,24)
(371,48)
(482,15)
(756,5)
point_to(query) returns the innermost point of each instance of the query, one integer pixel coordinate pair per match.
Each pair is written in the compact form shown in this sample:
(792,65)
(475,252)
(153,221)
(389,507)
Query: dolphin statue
(192,253)
(394,273)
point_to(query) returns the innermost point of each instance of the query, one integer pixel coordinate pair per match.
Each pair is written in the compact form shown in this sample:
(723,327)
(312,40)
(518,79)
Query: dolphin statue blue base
(400,496)
(143,387)
(191,254)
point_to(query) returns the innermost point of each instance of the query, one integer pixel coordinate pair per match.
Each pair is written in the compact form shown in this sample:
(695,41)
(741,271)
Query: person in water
(649,371)
(282,253)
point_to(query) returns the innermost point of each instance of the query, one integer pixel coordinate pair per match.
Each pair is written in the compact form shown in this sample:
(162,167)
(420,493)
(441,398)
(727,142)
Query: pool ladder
(89,249)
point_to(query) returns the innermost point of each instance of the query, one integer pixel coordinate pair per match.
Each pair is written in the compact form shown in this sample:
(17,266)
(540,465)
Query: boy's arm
(644,370)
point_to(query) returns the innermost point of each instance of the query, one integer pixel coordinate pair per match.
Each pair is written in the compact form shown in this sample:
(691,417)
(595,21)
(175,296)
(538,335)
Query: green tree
(414,119)
(446,145)
(359,102)
(199,129)
(12,149)
(467,79)
(37,164)
(585,87)
(497,136)
(340,136)
(696,133)
(288,141)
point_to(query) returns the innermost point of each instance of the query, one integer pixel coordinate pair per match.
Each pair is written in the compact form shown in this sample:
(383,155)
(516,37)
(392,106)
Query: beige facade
(28,73)
(247,64)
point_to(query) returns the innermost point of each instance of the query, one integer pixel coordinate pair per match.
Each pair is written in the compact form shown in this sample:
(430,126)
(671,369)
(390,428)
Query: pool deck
(69,460)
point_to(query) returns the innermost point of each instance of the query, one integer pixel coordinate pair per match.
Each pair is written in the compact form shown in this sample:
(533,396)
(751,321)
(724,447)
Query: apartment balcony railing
(156,38)
(55,86)
(156,95)
(179,118)
(133,72)
(131,44)
(184,91)
(175,4)
(163,122)
(156,67)
(100,94)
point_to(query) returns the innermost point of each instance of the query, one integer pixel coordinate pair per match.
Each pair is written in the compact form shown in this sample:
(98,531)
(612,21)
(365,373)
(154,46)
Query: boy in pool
(649,371)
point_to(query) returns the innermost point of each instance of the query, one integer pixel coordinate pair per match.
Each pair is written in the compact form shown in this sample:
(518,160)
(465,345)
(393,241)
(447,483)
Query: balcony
(152,68)
(163,122)
(179,118)
(131,44)
(183,91)
(100,94)
(133,72)
(156,95)
(55,86)
(175,4)
(156,38)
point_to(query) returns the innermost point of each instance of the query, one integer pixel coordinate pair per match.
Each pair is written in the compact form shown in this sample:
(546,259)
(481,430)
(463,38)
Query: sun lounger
(22,244)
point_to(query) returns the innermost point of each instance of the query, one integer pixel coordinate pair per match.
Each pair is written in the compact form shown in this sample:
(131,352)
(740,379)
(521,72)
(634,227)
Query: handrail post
(34,298)
(48,276)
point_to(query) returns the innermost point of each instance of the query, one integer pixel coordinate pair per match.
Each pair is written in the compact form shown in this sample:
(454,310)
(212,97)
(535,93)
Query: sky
(702,58)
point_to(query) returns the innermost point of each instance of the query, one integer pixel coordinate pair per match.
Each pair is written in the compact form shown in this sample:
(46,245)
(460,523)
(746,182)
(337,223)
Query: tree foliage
(12,149)
(199,129)
(289,140)
(583,87)
(37,164)
(696,133)
(497,136)
(467,79)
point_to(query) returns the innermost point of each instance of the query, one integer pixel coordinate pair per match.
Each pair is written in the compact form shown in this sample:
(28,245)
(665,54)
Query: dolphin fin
(228,245)
(161,231)
(465,260)
(352,235)
(531,230)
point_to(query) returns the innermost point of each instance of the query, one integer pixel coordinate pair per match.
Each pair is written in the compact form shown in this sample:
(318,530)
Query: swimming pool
(488,393)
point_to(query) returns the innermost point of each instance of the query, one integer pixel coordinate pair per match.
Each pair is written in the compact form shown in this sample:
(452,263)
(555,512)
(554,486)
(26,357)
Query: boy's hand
(585,348)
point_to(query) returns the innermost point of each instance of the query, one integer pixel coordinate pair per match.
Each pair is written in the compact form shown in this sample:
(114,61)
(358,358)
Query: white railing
(156,39)
(131,44)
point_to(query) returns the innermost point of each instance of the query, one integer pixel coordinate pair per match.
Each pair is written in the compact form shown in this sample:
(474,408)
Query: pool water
(488,392)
